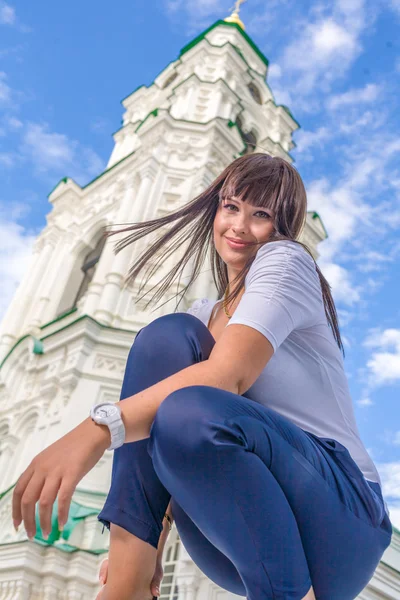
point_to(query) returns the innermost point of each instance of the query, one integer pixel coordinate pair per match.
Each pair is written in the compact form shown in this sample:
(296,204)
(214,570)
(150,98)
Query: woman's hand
(56,471)
(155,585)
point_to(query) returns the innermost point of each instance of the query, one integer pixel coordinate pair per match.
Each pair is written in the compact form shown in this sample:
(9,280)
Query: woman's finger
(28,503)
(18,493)
(46,502)
(103,571)
(65,493)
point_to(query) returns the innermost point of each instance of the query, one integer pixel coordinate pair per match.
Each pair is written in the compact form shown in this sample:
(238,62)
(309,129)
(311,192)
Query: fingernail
(101,580)
(16,527)
(45,535)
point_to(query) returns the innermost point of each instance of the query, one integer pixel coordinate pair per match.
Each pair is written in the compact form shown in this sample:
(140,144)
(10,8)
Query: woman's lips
(236,245)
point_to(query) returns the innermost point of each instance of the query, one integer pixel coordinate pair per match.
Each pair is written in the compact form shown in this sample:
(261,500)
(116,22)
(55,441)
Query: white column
(48,284)
(22,300)
(116,277)
(94,293)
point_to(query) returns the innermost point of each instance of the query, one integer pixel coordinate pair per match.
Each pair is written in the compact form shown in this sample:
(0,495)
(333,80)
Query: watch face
(106,411)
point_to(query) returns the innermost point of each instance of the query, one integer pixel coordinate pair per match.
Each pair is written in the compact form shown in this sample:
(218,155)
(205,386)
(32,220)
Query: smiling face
(240,220)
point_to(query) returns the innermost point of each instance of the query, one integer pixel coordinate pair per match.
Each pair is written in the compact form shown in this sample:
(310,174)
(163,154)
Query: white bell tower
(68,330)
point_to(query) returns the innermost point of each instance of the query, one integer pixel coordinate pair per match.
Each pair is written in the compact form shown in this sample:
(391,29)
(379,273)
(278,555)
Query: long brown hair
(260,179)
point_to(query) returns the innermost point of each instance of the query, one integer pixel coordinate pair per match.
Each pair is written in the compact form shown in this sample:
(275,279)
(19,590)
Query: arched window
(249,138)
(88,268)
(80,277)
(170,79)
(255,92)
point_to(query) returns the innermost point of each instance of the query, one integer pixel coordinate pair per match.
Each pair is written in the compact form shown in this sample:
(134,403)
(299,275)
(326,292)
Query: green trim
(13,348)
(62,329)
(81,318)
(179,61)
(245,146)
(62,316)
(315,215)
(109,169)
(153,112)
(63,180)
(7,490)
(202,35)
(37,346)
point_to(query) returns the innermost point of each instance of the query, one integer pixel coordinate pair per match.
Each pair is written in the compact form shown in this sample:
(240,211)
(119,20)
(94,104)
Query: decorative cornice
(202,35)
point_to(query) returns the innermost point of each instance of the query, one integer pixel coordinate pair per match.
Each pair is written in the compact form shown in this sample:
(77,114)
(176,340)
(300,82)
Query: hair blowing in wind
(263,181)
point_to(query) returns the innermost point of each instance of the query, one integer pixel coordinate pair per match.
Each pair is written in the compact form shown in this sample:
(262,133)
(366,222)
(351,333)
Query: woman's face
(240,221)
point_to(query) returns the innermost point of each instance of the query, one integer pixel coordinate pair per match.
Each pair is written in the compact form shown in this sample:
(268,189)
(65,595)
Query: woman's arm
(235,362)
(129,555)
(138,411)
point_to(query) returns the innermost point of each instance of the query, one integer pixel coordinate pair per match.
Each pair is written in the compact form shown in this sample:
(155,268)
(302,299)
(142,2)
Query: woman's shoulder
(280,252)
(283,246)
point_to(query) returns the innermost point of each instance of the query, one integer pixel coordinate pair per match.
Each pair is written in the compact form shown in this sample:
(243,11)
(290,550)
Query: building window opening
(88,268)
(255,92)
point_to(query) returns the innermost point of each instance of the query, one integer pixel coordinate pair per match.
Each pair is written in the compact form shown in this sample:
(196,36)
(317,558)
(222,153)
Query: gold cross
(236,7)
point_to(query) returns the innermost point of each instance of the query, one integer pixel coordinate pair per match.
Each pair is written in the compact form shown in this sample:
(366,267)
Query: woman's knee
(184,416)
(167,329)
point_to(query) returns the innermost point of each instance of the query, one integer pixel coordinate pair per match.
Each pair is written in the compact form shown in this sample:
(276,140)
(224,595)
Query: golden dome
(234,18)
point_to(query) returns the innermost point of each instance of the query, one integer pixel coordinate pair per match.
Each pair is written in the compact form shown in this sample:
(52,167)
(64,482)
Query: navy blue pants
(264,508)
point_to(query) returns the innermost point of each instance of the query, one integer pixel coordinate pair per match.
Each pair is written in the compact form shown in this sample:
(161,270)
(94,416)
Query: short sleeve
(282,292)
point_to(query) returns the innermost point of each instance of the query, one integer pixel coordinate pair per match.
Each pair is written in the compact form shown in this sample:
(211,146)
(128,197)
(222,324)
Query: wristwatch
(109,413)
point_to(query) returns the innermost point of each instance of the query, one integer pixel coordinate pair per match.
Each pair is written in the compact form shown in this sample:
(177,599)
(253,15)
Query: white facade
(61,355)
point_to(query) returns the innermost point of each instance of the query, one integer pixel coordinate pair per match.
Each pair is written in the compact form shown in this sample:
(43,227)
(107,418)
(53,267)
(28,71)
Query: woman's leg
(279,506)
(137,499)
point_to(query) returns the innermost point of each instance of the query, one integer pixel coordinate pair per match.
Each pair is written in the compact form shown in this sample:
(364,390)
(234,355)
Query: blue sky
(335,63)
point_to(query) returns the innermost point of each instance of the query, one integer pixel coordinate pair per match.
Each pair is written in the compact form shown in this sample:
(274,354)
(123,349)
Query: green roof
(200,37)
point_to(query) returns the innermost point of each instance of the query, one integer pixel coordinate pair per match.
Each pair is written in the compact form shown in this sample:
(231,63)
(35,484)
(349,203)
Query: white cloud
(7,14)
(384,364)
(390,476)
(355,96)
(13,122)
(274,71)
(358,124)
(307,140)
(324,50)
(325,44)
(7,159)
(52,152)
(15,251)
(395,5)
(199,8)
(373,261)
(340,281)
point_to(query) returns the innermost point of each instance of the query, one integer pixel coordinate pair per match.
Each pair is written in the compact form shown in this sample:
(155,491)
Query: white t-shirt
(304,380)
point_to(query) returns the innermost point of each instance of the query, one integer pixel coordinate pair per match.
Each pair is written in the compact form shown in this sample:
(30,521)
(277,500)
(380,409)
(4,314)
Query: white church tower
(65,338)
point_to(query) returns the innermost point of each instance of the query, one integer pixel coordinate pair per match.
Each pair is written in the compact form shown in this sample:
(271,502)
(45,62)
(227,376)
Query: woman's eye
(259,212)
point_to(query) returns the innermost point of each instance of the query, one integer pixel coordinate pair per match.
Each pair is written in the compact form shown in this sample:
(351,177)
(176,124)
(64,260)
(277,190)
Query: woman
(246,430)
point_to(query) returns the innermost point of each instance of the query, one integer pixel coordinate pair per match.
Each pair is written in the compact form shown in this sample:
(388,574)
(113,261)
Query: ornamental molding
(110,364)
